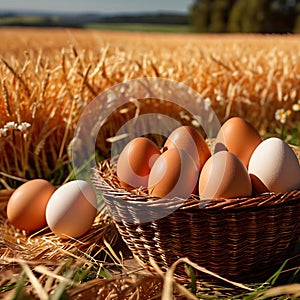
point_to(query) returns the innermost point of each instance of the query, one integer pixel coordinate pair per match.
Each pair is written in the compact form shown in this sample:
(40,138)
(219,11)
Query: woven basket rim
(107,183)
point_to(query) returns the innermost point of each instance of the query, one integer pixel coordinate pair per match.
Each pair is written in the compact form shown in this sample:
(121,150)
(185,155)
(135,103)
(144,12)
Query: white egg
(274,167)
(72,209)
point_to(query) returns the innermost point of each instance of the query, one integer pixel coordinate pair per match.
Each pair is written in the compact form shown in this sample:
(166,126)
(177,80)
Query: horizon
(96,7)
(123,13)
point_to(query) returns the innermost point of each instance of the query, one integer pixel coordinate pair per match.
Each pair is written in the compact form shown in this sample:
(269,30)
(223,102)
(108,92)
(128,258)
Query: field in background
(47,77)
(37,21)
(141,27)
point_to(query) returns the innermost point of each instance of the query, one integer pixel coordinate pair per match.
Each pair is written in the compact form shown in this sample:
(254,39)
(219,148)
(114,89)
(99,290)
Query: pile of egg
(69,210)
(240,164)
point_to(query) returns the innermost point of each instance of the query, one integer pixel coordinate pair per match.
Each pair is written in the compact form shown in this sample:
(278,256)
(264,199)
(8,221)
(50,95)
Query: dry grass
(96,266)
(47,77)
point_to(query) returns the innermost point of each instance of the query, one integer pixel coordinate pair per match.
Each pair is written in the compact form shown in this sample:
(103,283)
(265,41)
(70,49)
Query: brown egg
(135,162)
(27,205)
(239,137)
(174,174)
(190,140)
(224,176)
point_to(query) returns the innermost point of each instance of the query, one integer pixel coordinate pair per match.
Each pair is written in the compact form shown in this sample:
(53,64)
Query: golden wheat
(49,76)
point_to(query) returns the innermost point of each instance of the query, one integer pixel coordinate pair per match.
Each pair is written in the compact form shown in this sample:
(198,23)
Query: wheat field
(48,77)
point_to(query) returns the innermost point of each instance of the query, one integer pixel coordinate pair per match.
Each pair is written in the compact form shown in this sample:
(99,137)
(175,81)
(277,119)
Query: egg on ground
(27,205)
(72,209)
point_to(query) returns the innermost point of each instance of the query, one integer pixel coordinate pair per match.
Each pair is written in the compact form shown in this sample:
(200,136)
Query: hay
(51,265)
(43,250)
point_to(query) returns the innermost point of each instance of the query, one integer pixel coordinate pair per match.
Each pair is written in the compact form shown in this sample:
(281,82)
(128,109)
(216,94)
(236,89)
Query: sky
(97,6)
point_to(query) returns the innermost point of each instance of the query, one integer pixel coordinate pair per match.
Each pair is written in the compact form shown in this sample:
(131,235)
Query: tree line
(246,16)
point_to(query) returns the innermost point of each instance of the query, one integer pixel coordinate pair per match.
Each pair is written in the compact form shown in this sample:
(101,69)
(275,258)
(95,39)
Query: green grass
(141,27)
(290,135)
(37,21)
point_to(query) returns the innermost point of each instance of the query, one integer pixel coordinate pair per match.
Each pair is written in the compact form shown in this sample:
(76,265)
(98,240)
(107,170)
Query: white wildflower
(3,132)
(281,115)
(10,125)
(23,126)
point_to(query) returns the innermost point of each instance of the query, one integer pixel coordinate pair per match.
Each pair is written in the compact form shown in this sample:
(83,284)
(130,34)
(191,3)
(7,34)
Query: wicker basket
(242,239)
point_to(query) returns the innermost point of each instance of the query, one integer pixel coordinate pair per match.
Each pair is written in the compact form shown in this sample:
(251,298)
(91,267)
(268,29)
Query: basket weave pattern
(236,238)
